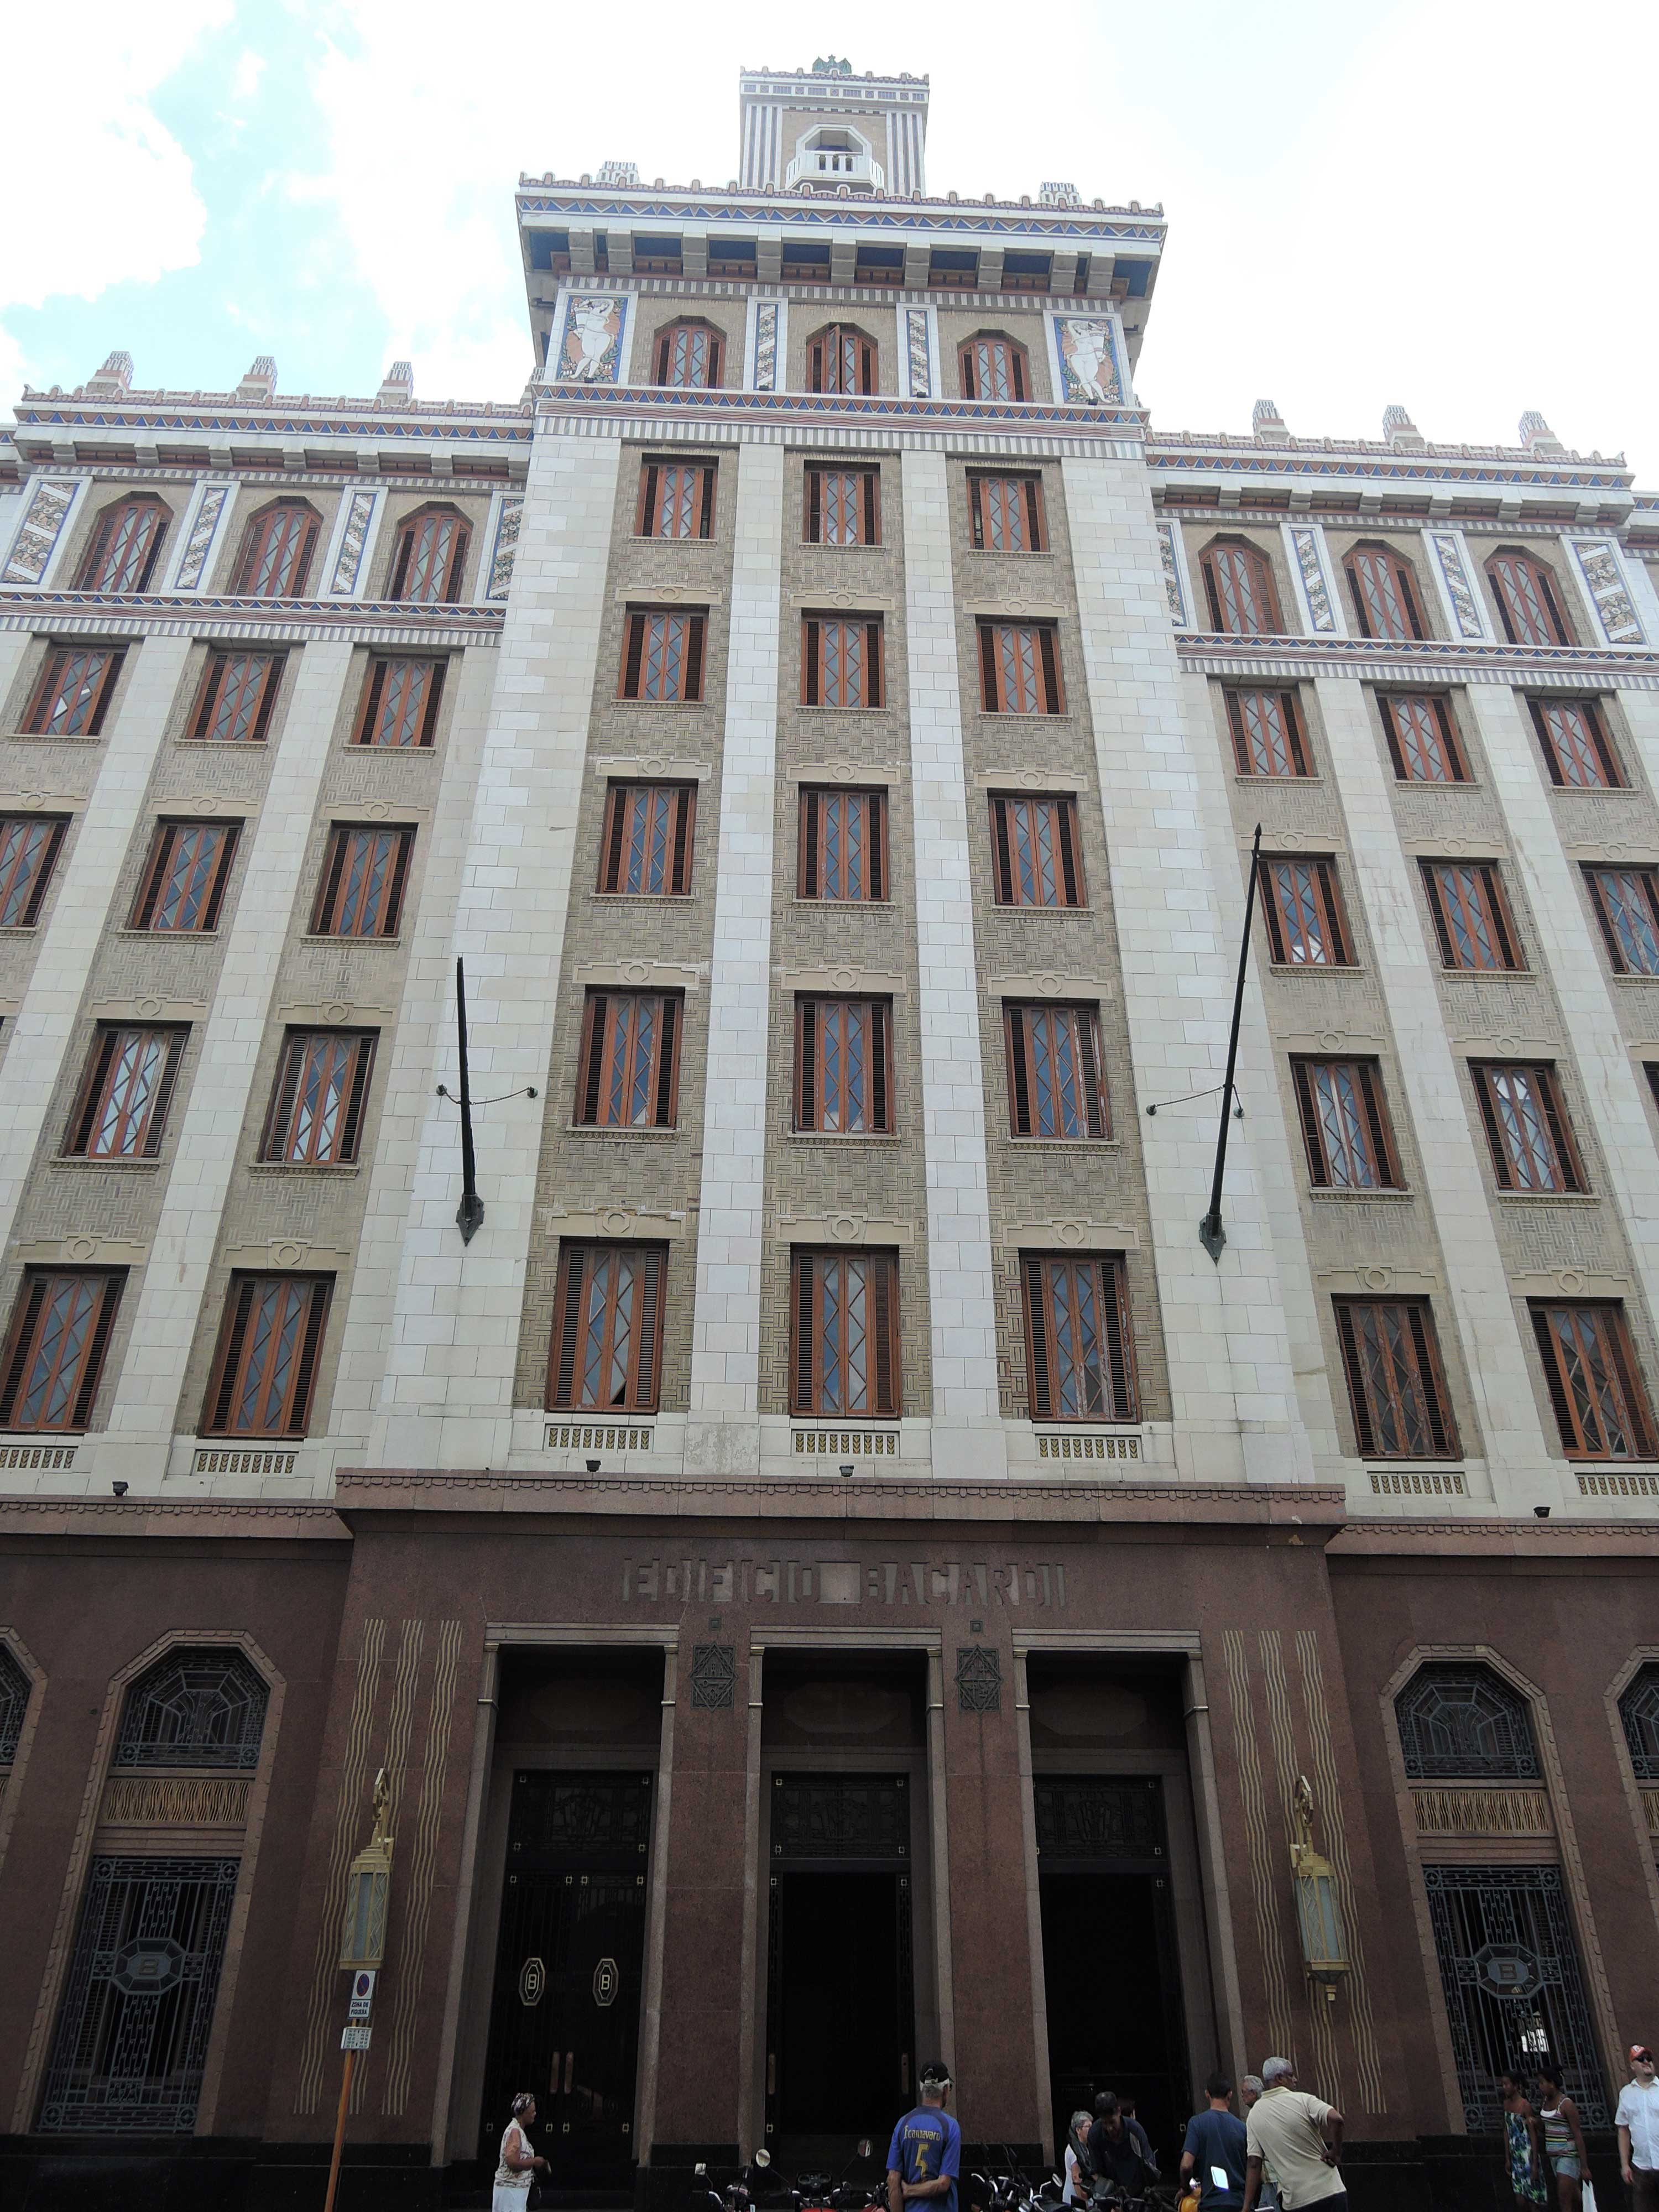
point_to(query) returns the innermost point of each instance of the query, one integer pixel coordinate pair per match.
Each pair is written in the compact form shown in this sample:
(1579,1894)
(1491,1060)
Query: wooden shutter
(1002,857)
(811,661)
(595,1020)
(149,890)
(92,1090)
(23,1329)
(1113,1291)
(1088,1044)
(268,684)
(1502,927)
(633,653)
(1616,1337)
(1566,1417)
(1031,487)
(694,639)
(875,846)
(807,1115)
(369,720)
(806,1359)
(815,366)
(867,366)
(644,522)
(305,1377)
(667,1059)
(159,1111)
(872,511)
(1019,1073)
(648,1360)
(567,1324)
(814,507)
(400,567)
(108,1297)
(1503,1165)
(665,348)
(988,665)
(684,805)
(223,854)
(811,803)
(352,1126)
(1566,1152)
(706,501)
(1431,884)
(1391,730)
(1330,909)
(97,552)
(1051,670)
(1377,1120)
(230,1355)
(394,897)
(42,880)
(976,510)
(1313,1136)
(1071,873)
(880,1116)
(966,358)
(616,799)
(279,1117)
(872,667)
(1017,372)
(212,685)
(333,868)
(883,1301)
(1359,1394)
(1037,1342)
(1440,1432)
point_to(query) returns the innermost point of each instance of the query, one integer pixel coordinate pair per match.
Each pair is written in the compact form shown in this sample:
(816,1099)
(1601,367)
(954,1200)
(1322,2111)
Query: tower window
(1267,735)
(125,547)
(1576,748)
(1238,583)
(688,354)
(677,500)
(1528,600)
(840,359)
(1422,738)
(1384,592)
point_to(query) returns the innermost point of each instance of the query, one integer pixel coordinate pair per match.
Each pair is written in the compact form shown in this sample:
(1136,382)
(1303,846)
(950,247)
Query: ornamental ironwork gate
(1509,1966)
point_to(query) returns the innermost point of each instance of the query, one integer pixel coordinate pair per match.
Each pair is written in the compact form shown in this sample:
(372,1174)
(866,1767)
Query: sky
(1435,202)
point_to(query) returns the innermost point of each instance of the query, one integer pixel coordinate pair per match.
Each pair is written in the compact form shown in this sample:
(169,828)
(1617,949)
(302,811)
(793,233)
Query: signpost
(362,1946)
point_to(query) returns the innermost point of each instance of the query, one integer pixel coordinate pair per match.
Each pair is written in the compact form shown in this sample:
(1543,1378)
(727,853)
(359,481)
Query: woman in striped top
(1564,2140)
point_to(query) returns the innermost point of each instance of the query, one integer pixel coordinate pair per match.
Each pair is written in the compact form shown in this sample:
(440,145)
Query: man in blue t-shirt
(1213,2152)
(925,2156)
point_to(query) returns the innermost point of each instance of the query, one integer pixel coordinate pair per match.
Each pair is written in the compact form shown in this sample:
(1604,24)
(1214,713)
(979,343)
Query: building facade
(833,1567)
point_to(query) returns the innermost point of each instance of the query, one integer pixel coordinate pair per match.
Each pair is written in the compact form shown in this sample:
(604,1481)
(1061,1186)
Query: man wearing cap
(1637,2121)
(1301,2138)
(925,2156)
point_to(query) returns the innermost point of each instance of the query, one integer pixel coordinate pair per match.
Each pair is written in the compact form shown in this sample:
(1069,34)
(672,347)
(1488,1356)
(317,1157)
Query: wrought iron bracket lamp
(1318,1902)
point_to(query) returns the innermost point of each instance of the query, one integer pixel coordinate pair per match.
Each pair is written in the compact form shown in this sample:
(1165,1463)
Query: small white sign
(362,1993)
(354,2035)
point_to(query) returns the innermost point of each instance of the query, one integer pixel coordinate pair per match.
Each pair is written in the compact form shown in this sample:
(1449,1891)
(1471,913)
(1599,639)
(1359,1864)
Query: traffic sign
(362,1993)
(354,2035)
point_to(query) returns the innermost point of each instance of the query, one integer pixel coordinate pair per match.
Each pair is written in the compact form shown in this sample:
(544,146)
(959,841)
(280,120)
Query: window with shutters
(841,663)
(1384,592)
(646,846)
(689,355)
(265,1372)
(1626,903)
(1267,734)
(843,845)
(1345,1124)
(1595,1386)
(1423,741)
(121,1111)
(239,692)
(1397,1393)
(401,699)
(628,1070)
(1079,1351)
(1019,668)
(844,1333)
(662,655)
(1471,915)
(843,506)
(840,359)
(1034,859)
(55,1352)
(1529,604)
(315,1118)
(429,558)
(126,545)
(606,1353)
(994,368)
(277,545)
(1238,584)
(1527,1125)
(183,884)
(29,846)
(73,695)
(1057,1075)
(1303,909)
(365,869)
(1006,513)
(677,500)
(844,1066)
(1578,750)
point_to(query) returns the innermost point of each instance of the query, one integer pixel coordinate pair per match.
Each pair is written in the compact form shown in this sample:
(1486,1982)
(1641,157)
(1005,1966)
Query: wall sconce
(1318,1904)
(368,1886)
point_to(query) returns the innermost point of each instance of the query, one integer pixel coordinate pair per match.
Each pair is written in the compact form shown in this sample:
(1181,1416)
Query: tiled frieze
(213,502)
(347,560)
(509,518)
(46,513)
(1601,566)
(1311,573)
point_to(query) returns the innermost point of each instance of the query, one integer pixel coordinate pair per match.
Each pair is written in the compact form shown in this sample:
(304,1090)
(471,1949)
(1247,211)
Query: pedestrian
(1080,2171)
(1143,2141)
(925,2156)
(519,2164)
(1637,2121)
(1113,2150)
(1564,2140)
(1301,2138)
(1523,2141)
(1214,2150)
(1248,2090)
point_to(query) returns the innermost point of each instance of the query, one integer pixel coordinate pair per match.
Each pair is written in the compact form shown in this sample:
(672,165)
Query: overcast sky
(1444,203)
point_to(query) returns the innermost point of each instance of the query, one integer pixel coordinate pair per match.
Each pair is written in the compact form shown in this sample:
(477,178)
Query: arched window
(13,1704)
(277,549)
(689,354)
(126,545)
(1529,602)
(195,1707)
(994,368)
(1384,592)
(430,554)
(1462,1723)
(1239,586)
(840,359)
(1638,1709)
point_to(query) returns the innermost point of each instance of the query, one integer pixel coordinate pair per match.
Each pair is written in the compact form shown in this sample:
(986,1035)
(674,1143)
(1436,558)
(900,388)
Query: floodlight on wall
(368,1888)
(1318,1901)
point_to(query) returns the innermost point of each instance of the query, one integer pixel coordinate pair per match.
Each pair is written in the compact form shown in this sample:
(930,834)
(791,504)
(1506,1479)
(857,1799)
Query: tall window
(843,1066)
(840,359)
(1462,1723)
(1529,603)
(238,690)
(15,1690)
(607,1328)
(1056,1076)
(844,1331)
(126,545)
(1238,583)
(1006,513)
(1595,1386)
(59,1334)
(1345,1124)
(1471,915)
(994,368)
(184,885)
(1423,737)
(677,500)
(646,846)
(29,845)
(1019,668)
(275,562)
(198,1706)
(73,695)
(1626,902)
(689,354)
(1303,909)
(1078,1355)
(122,1110)
(843,506)
(264,1373)
(1526,1127)
(662,655)
(1384,594)
(841,661)
(1576,748)
(1267,735)
(364,872)
(429,558)
(843,845)
(400,703)
(1396,1390)
(1034,850)
(316,1114)
(1638,1709)
(627,1072)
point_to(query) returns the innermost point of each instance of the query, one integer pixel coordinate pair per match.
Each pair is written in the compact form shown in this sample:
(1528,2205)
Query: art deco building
(835,1569)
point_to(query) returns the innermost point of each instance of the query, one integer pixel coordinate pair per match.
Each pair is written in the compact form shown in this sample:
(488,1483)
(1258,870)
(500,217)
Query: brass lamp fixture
(1318,1903)
(368,1886)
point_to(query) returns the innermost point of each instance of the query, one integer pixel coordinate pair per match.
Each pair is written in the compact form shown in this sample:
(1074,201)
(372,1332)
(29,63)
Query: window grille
(122,1111)
(317,1101)
(843,1066)
(365,873)
(429,558)
(1301,908)
(59,1335)
(841,662)
(1638,1709)
(199,1706)
(1345,1124)
(842,507)
(1576,748)
(1528,604)
(275,562)
(1238,583)
(1384,594)
(1020,669)
(1526,1127)
(1471,915)
(1267,736)
(1422,738)
(1600,1401)
(628,1070)
(15,1688)
(1462,1723)
(662,656)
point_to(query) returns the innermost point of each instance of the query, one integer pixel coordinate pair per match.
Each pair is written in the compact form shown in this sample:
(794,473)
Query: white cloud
(250,68)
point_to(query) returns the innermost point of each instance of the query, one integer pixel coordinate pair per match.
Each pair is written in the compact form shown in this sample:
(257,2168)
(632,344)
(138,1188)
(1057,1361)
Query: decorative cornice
(91,614)
(858,211)
(486,421)
(1435,660)
(1331,457)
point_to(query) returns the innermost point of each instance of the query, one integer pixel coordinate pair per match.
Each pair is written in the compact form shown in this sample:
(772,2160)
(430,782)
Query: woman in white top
(520,2164)
(1077,2172)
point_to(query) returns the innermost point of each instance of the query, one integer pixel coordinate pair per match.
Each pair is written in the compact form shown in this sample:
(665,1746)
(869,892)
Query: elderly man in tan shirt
(1300,2138)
